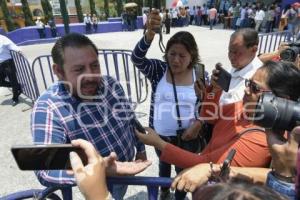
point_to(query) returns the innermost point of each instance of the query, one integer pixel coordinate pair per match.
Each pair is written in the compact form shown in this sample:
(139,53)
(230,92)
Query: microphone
(156,5)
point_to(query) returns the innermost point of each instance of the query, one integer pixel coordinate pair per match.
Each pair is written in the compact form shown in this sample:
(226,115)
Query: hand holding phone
(226,164)
(139,126)
(46,157)
(223,77)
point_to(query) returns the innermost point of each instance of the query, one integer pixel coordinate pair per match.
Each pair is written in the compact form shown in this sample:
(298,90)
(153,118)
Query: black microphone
(156,5)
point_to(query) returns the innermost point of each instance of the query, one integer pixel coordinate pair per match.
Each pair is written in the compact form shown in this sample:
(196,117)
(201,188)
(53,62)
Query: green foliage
(47,8)
(106,8)
(65,15)
(79,10)
(92,7)
(119,7)
(27,13)
(7,17)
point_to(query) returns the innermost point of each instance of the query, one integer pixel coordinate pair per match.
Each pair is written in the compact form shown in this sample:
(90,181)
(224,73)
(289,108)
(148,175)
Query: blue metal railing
(25,76)
(269,42)
(152,184)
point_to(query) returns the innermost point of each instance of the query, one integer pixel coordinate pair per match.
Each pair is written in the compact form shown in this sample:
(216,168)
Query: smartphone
(200,72)
(224,77)
(226,163)
(46,157)
(139,126)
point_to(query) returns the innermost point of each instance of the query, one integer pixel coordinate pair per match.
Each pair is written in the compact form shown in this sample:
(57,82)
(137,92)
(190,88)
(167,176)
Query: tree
(106,8)
(92,7)
(27,13)
(7,17)
(119,7)
(47,8)
(79,10)
(65,15)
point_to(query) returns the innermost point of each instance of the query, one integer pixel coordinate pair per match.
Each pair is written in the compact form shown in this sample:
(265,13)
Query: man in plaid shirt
(83,104)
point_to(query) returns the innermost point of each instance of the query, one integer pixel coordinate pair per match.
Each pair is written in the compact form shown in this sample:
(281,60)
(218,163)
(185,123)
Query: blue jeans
(211,23)
(165,169)
(284,188)
(118,192)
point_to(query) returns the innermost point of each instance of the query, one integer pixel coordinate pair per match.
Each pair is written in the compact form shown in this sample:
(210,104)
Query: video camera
(290,54)
(277,113)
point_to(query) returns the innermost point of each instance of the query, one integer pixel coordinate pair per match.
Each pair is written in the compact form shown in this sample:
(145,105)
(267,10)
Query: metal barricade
(118,64)
(152,184)
(113,62)
(269,42)
(25,76)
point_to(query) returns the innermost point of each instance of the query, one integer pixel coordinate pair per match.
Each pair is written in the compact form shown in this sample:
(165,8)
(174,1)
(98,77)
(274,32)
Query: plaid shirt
(106,122)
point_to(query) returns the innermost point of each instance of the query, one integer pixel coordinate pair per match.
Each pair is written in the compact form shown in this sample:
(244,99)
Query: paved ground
(15,121)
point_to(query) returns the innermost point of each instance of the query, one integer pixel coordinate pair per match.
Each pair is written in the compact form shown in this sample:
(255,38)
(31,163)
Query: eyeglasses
(254,88)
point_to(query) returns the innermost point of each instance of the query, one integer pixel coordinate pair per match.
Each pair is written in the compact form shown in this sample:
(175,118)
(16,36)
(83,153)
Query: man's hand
(141,156)
(91,179)
(153,23)
(116,168)
(284,152)
(214,79)
(192,178)
(151,138)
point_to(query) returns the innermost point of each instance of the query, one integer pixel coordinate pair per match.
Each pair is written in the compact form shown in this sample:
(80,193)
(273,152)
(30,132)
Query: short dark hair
(283,78)
(250,36)
(186,39)
(69,40)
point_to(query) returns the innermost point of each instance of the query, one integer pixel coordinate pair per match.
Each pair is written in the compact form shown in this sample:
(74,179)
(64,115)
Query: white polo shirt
(5,46)
(237,83)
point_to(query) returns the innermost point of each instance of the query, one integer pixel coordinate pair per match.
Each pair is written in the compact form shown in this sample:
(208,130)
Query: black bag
(195,145)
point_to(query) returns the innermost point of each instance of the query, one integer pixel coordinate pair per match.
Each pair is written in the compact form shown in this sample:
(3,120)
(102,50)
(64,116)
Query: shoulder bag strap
(176,100)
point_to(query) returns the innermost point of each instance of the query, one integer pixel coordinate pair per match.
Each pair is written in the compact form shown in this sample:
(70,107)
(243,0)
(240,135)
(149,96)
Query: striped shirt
(106,122)
(153,69)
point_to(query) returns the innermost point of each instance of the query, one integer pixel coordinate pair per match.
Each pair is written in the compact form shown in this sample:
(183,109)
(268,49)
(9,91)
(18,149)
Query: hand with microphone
(153,24)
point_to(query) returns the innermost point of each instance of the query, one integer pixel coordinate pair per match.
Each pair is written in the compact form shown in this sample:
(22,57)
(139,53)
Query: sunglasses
(254,88)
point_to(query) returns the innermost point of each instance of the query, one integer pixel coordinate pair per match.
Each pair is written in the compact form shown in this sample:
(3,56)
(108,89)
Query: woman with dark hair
(282,146)
(173,96)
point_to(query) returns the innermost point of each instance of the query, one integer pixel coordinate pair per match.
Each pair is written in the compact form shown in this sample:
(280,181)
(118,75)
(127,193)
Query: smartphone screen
(200,72)
(224,77)
(46,157)
(227,162)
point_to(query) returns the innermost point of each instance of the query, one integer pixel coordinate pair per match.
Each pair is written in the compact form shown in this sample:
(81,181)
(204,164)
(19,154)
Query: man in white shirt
(212,16)
(259,17)
(40,27)
(8,69)
(242,55)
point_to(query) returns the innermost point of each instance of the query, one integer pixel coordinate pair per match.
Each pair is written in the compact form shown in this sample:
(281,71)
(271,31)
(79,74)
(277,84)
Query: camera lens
(277,113)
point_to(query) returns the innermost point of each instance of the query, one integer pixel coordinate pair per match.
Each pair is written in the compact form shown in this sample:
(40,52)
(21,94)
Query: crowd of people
(234,14)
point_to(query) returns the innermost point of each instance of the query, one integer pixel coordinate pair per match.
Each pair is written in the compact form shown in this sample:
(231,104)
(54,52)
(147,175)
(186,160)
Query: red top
(251,148)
